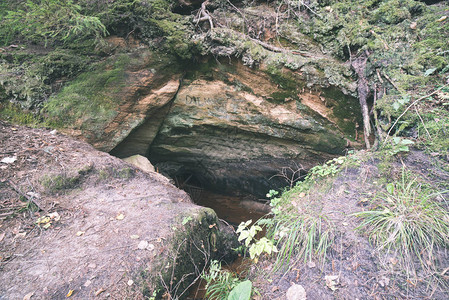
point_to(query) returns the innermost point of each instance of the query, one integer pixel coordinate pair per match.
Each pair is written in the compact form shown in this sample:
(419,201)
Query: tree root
(204,15)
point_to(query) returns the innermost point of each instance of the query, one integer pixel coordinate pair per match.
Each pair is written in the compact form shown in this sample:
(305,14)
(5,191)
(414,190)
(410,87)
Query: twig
(379,76)
(408,107)
(239,11)
(392,83)
(30,199)
(422,121)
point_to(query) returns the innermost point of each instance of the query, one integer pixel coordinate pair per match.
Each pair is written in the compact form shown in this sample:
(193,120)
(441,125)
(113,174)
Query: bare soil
(98,208)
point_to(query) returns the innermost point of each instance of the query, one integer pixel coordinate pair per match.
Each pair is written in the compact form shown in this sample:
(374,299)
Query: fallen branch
(392,83)
(30,199)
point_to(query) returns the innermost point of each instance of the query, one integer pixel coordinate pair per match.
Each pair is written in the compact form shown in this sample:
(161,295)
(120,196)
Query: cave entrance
(233,207)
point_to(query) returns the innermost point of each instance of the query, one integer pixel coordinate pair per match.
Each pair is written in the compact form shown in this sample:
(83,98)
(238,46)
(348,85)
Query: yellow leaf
(69,293)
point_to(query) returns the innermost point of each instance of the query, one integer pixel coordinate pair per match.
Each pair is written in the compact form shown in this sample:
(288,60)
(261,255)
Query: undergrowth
(408,223)
(299,226)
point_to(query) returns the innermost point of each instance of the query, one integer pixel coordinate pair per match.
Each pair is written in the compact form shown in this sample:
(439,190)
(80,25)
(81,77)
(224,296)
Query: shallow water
(229,208)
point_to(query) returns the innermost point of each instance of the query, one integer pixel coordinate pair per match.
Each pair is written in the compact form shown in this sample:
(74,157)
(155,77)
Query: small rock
(54,131)
(87,283)
(296,292)
(142,245)
(413,25)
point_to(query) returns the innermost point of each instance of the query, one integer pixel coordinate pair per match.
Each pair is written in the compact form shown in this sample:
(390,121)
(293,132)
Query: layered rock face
(230,131)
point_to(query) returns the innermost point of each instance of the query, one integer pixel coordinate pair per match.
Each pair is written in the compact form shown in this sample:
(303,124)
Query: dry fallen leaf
(120,217)
(80,233)
(69,294)
(332,281)
(394,260)
(21,234)
(130,282)
(2,236)
(442,19)
(99,291)
(302,195)
(9,160)
(28,296)
(134,237)
(54,216)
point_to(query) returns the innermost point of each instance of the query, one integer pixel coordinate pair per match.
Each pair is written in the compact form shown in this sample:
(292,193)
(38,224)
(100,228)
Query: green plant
(330,168)
(408,222)
(59,182)
(219,282)
(49,21)
(305,235)
(241,291)
(398,145)
(256,246)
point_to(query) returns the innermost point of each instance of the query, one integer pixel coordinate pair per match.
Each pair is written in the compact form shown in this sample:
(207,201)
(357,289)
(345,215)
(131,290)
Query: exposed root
(204,15)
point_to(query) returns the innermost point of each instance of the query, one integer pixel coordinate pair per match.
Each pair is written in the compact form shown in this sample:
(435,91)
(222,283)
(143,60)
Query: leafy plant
(256,247)
(241,291)
(330,168)
(407,222)
(219,282)
(398,145)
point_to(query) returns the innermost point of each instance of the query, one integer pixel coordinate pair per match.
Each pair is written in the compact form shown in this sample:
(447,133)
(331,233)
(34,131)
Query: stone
(296,292)
(140,162)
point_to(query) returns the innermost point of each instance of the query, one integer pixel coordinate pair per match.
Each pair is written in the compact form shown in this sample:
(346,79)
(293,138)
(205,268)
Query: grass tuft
(409,223)
(301,229)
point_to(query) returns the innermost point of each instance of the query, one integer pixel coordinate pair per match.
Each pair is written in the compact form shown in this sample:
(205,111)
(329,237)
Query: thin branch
(30,199)
(422,121)
(408,107)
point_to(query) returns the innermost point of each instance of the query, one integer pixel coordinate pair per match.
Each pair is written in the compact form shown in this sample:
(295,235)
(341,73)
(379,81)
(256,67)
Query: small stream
(230,209)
